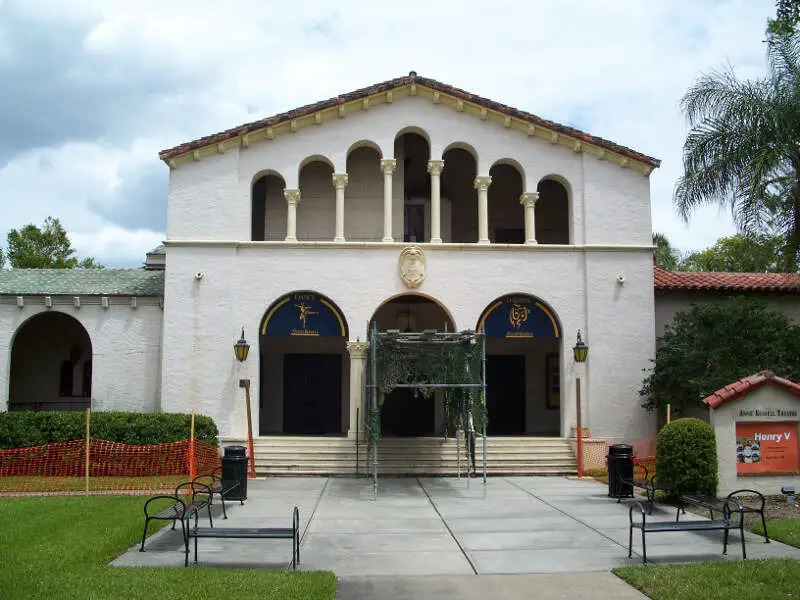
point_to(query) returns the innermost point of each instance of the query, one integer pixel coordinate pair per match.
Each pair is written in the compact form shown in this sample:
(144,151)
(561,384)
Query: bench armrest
(643,512)
(175,501)
(736,493)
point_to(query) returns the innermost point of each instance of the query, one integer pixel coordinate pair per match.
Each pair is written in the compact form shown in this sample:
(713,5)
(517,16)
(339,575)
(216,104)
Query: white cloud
(184,69)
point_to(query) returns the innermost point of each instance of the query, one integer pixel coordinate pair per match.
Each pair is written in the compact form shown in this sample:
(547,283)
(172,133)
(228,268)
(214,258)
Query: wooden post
(88,439)
(669,413)
(192,461)
(251,469)
(579,429)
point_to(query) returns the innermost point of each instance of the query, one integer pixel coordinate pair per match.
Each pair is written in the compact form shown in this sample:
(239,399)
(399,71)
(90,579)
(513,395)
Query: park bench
(189,499)
(647,483)
(219,487)
(712,504)
(725,524)
(292,533)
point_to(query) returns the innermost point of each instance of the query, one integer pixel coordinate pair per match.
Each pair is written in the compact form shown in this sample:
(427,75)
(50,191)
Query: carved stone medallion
(412,266)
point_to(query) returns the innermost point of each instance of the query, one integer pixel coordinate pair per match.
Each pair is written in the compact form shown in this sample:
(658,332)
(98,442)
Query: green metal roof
(77,282)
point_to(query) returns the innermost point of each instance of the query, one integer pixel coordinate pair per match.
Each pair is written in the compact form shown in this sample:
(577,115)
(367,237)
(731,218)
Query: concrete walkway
(447,527)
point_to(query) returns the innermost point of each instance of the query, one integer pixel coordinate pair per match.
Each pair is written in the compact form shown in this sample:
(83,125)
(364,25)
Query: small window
(66,379)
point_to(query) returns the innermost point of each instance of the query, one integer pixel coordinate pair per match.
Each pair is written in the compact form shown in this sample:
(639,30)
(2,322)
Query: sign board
(519,316)
(766,448)
(304,314)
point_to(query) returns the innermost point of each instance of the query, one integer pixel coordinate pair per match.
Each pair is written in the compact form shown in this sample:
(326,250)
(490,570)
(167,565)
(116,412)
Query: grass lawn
(38,483)
(58,547)
(774,579)
(781,530)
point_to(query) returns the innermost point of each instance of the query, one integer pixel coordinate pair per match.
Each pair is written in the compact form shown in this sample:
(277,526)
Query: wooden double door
(312,394)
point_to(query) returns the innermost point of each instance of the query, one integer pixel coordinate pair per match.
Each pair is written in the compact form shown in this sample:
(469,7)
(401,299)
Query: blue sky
(93,89)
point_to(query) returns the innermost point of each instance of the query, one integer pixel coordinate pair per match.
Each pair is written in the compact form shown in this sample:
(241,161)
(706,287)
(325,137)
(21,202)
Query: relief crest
(412,266)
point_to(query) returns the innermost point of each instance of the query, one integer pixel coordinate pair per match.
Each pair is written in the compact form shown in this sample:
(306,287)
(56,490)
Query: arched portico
(303,362)
(404,413)
(523,366)
(51,364)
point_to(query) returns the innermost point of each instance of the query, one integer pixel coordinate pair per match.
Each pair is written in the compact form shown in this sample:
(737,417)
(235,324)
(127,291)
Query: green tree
(787,15)
(711,345)
(742,151)
(47,247)
(740,253)
(2,259)
(667,257)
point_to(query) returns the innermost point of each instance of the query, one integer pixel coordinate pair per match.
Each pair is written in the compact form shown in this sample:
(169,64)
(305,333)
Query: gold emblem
(412,266)
(518,315)
(305,312)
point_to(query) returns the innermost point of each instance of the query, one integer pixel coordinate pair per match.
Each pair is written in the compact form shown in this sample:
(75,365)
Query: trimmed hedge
(25,429)
(686,450)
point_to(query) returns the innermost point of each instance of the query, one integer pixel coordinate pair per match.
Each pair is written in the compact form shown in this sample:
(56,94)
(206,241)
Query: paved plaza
(443,527)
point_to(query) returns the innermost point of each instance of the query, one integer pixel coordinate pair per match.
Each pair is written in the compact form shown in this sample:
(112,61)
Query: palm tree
(743,150)
(666,256)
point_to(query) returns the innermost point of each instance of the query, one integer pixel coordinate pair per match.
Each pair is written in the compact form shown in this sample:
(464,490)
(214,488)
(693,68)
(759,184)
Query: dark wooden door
(505,394)
(312,394)
(404,414)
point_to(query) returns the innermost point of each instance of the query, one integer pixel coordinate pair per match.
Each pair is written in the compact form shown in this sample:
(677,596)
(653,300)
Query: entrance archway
(405,413)
(303,360)
(51,365)
(523,368)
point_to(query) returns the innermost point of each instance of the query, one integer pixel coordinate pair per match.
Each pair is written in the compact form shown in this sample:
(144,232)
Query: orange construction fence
(99,466)
(595,453)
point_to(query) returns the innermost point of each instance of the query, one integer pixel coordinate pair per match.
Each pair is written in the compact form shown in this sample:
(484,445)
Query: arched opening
(303,362)
(316,212)
(506,215)
(268,208)
(363,206)
(51,364)
(404,413)
(412,152)
(552,213)
(459,197)
(523,370)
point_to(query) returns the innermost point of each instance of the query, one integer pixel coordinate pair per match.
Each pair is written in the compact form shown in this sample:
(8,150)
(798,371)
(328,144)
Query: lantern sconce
(241,348)
(580,350)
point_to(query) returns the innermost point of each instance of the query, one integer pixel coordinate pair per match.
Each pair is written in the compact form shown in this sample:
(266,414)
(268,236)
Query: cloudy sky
(93,89)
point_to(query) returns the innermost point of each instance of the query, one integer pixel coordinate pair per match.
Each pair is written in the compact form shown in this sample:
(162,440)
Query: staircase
(284,455)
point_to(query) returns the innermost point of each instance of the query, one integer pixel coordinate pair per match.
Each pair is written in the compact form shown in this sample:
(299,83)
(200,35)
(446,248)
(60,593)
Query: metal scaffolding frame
(433,337)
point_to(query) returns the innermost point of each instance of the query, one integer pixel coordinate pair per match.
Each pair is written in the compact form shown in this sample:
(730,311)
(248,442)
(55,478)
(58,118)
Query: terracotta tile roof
(396,83)
(728,282)
(747,385)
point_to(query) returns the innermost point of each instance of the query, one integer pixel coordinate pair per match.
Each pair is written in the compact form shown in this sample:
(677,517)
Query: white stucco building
(292,228)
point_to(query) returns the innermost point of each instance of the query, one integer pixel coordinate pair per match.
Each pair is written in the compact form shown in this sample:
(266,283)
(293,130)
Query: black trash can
(620,466)
(234,470)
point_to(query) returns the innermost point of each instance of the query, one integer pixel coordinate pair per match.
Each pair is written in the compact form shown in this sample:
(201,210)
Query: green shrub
(24,429)
(686,451)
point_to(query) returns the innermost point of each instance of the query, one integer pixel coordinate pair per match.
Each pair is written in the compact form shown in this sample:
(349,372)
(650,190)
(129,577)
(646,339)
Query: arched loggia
(523,367)
(304,367)
(51,364)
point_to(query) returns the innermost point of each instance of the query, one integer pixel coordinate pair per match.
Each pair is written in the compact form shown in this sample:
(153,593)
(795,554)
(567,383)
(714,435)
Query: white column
(528,202)
(339,182)
(388,167)
(482,185)
(435,169)
(357,351)
(292,200)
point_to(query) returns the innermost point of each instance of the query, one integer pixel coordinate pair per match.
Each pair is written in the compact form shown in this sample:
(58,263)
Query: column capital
(340,180)
(388,165)
(435,167)
(357,349)
(528,200)
(292,196)
(482,183)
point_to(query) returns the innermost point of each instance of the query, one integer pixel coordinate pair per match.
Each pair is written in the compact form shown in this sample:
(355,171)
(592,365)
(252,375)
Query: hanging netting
(451,363)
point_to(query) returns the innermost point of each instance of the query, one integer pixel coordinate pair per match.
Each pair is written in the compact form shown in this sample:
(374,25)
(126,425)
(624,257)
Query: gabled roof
(81,282)
(748,384)
(387,92)
(727,282)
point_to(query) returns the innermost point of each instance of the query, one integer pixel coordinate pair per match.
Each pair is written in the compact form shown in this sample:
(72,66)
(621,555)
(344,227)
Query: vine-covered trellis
(429,361)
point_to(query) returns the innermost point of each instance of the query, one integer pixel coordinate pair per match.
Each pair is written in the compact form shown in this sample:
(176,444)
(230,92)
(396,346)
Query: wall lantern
(241,348)
(580,350)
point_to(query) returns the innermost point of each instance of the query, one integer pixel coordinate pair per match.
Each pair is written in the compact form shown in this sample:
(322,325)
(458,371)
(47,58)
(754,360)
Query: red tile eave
(748,384)
(665,281)
(395,83)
